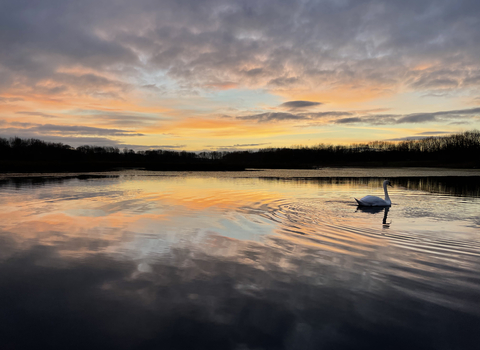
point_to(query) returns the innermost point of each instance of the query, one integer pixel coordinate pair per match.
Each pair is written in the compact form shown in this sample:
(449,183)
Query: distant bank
(32,155)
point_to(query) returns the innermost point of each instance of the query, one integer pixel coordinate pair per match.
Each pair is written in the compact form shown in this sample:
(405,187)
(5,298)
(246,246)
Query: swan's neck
(387,198)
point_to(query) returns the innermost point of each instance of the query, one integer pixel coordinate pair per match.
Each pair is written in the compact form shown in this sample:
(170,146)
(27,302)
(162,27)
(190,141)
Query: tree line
(461,149)
(458,150)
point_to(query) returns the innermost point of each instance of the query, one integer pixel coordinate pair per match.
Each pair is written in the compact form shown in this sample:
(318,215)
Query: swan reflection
(376,210)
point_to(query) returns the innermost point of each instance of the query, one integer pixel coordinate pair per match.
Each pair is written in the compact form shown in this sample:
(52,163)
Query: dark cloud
(284,116)
(254,72)
(430,83)
(273,116)
(251,144)
(434,132)
(241,145)
(437,116)
(459,123)
(408,138)
(117,118)
(460,112)
(48,129)
(237,147)
(415,118)
(328,114)
(355,117)
(105,117)
(348,120)
(83,130)
(292,105)
(155,147)
(284,82)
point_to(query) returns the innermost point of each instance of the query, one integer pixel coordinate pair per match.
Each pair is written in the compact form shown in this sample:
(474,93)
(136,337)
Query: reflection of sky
(171,245)
(133,211)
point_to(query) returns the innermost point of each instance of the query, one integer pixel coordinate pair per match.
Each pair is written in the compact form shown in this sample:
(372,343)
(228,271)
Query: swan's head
(387,183)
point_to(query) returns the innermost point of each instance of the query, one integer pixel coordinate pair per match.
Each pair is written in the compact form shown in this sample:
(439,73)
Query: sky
(234,75)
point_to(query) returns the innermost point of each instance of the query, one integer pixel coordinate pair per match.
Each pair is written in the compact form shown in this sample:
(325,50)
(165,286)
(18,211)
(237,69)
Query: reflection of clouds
(181,262)
(188,298)
(133,212)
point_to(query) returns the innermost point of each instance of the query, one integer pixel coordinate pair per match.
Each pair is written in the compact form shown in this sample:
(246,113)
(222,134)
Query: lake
(274,259)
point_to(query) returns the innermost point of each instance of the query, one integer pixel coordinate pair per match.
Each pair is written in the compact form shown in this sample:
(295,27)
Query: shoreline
(34,167)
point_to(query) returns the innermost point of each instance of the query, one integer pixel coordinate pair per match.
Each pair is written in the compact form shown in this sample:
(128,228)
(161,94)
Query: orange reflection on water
(142,214)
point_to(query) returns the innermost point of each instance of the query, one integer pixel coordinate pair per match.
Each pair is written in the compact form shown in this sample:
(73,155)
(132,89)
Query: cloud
(284,116)
(272,116)
(36,130)
(438,116)
(222,85)
(38,114)
(135,119)
(10,99)
(83,130)
(251,144)
(328,114)
(240,145)
(292,105)
(459,123)
(408,138)
(415,118)
(236,148)
(132,57)
(155,147)
(349,120)
(356,117)
(325,44)
(460,112)
(434,132)
(254,72)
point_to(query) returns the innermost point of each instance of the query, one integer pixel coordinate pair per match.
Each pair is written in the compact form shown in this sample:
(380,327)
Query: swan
(373,201)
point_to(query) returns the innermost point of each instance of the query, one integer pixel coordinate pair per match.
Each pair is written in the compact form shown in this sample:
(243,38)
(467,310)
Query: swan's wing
(371,201)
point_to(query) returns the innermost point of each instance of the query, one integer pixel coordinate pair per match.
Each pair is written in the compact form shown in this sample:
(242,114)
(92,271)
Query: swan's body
(373,201)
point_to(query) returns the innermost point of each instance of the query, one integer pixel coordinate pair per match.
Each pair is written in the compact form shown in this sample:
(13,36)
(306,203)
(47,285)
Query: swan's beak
(390,185)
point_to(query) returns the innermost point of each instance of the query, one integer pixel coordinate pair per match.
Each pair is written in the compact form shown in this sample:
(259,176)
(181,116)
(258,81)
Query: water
(254,260)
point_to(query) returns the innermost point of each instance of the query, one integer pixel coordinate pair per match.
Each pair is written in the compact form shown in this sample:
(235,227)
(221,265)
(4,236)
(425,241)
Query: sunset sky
(229,75)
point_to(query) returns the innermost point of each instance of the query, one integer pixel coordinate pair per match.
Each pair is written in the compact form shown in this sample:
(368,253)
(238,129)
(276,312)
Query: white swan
(373,201)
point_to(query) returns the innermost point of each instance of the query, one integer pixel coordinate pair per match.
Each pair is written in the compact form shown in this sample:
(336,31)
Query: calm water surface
(143,260)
